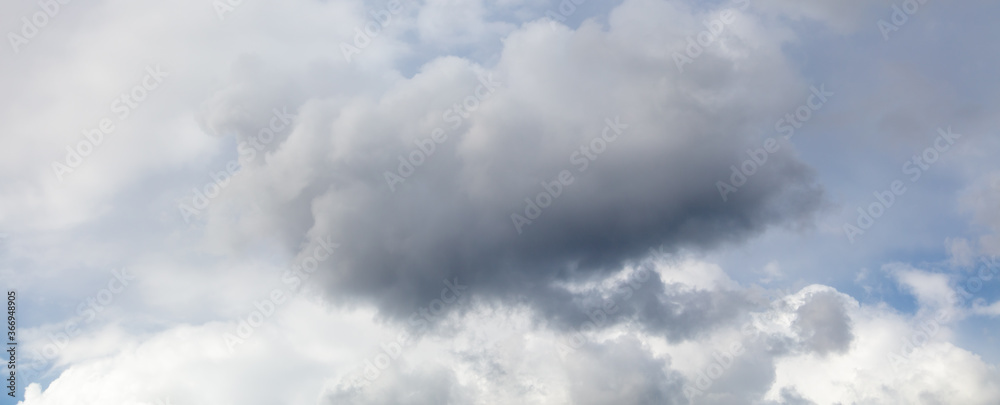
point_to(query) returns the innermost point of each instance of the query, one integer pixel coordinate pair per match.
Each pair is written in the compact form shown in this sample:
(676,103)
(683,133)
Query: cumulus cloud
(510,130)
(528,192)
(622,370)
(823,324)
(497,355)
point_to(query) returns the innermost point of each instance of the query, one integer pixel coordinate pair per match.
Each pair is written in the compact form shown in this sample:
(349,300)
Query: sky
(500,202)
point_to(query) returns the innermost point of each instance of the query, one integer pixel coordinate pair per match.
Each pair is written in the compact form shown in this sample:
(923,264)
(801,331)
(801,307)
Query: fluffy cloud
(565,173)
(411,212)
(493,354)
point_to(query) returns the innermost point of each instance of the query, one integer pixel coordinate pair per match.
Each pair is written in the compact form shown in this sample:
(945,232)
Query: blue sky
(516,93)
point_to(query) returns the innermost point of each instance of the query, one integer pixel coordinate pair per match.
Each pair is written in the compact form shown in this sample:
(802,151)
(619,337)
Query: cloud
(498,354)
(932,290)
(989,310)
(823,324)
(622,371)
(565,173)
(654,185)
(424,386)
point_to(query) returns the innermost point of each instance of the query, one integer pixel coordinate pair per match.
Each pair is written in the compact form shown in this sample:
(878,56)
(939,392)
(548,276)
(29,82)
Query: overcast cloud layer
(501,202)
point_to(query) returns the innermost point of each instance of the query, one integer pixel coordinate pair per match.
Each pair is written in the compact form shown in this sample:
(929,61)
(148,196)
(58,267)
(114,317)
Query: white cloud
(163,340)
(497,355)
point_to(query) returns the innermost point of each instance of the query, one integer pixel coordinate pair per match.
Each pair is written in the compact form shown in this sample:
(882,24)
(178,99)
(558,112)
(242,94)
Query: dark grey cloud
(450,221)
(653,185)
(674,311)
